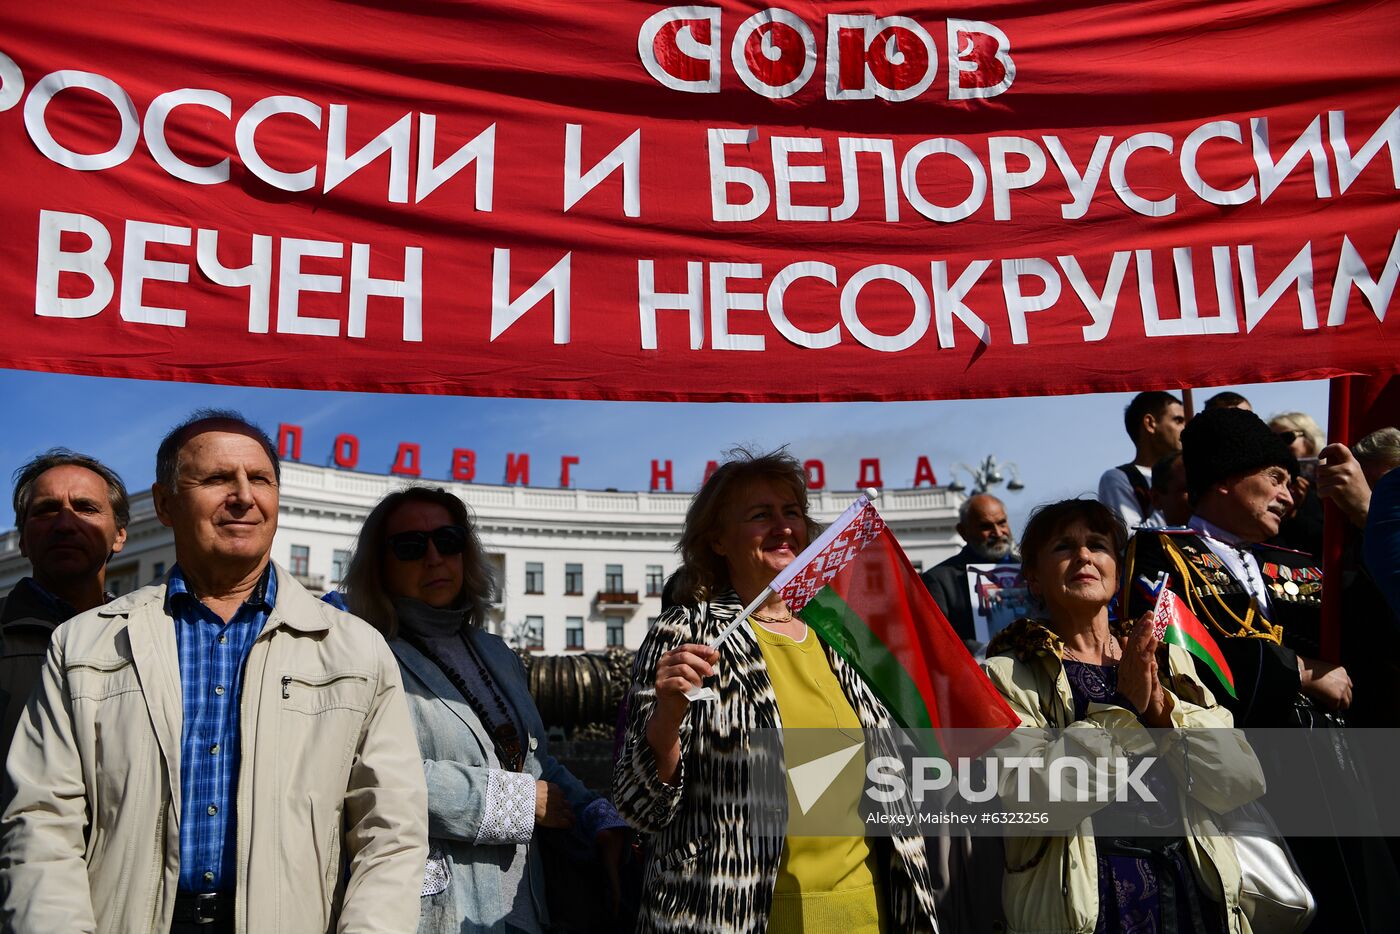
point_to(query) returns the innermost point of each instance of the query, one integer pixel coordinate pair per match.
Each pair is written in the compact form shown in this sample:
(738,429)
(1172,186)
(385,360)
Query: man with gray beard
(982,524)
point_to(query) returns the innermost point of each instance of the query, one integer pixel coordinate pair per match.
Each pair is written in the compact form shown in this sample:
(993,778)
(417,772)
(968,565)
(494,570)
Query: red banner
(632,201)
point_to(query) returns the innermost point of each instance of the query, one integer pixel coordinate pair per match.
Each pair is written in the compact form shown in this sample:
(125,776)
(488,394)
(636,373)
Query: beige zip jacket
(332,808)
(1051,881)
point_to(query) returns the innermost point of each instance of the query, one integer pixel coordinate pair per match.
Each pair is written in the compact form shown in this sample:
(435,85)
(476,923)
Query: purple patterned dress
(1146,885)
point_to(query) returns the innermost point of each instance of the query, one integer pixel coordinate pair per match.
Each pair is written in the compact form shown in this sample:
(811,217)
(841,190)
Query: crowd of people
(223,751)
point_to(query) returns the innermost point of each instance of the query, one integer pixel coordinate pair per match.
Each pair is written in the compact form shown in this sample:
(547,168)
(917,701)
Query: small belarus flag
(1175,624)
(856,588)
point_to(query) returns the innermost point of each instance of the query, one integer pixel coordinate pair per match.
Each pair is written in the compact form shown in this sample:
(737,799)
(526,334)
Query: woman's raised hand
(1137,674)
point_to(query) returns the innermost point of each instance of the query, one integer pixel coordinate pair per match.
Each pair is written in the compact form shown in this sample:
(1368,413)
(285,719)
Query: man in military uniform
(1262,603)
(71,511)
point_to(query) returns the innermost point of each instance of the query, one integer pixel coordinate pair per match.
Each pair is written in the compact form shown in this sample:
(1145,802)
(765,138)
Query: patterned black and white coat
(714,858)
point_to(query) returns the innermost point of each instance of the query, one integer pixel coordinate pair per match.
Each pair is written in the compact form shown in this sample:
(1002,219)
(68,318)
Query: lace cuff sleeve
(509,814)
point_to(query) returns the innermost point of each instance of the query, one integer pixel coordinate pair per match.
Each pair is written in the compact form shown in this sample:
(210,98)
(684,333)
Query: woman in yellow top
(687,772)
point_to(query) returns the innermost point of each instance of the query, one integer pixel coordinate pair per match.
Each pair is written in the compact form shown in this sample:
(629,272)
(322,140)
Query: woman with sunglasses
(420,576)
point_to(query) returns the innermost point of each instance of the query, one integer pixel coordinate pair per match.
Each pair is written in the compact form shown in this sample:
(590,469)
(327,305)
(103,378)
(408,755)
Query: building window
(534,632)
(573,632)
(534,577)
(613,578)
(615,632)
(656,579)
(918,566)
(340,564)
(573,580)
(158,571)
(301,560)
(651,622)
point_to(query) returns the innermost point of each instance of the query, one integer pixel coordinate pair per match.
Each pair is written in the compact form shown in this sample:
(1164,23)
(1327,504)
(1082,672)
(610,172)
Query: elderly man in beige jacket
(221,752)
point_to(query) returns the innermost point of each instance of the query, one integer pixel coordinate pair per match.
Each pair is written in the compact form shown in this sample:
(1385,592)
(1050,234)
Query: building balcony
(617,600)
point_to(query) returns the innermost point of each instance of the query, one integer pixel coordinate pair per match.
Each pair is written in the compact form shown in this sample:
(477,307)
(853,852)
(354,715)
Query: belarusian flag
(856,588)
(1175,624)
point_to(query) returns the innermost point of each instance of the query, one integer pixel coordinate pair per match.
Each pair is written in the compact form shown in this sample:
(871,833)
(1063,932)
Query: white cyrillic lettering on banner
(291,282)
(245,138)
(54,260)
(11,83)
(1352,270)
(36,109)
(136,269)
(1190,150)
(481,150)
(948,301)
(1081,185)
(409,290)
(689,52)
(1272,174)
(918,324)
(1018,303)
(1004,182)
(649,302)
(1100,305)
(961,60)
(908,59)
(1118,174)
(1299,271)
(723,175)
(850,178)
(154,130)
(1348,168)
(394,141)
(908,179)
(1190,321)
(556,282)
(777,291)
(627,156)
(785,53)
(256,276)
(723,301)
(785,175)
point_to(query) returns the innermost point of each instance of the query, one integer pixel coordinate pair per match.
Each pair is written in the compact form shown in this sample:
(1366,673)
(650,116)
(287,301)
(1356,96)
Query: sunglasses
(411,546)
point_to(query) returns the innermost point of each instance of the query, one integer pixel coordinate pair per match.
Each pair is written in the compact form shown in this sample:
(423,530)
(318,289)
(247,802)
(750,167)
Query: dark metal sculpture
(580,690)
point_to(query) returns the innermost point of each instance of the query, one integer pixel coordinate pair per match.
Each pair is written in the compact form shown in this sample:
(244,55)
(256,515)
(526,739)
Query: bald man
(983,526)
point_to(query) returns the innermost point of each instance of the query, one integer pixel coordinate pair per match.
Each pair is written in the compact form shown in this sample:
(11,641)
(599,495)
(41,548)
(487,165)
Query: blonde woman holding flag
(689,766)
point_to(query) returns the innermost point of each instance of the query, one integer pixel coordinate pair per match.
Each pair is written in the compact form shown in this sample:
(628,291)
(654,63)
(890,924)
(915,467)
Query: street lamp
(986,475)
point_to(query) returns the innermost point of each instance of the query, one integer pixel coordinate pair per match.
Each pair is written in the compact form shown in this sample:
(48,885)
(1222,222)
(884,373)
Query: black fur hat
(1222,443)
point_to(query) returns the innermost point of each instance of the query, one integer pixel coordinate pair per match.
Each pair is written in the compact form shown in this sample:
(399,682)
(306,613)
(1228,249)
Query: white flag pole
(704,693)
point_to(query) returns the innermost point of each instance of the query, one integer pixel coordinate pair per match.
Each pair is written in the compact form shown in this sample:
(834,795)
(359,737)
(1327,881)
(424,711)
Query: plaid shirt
(212,657)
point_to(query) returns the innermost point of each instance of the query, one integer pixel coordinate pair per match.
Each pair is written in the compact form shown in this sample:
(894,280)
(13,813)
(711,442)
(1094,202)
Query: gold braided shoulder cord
(1253,626)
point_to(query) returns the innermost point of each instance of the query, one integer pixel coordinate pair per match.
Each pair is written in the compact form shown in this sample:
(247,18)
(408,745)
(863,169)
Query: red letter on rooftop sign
(463,465)
(816,474)
(870,473)
(408,460)
(346,451)
(518,469)
(289,442)
(924,471)
(659,473)
(565,462)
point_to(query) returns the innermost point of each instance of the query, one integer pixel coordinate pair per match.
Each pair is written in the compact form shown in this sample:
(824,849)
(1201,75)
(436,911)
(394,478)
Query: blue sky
(1060,443)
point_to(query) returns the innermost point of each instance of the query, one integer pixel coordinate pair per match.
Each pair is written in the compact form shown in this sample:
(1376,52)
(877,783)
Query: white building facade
(577,570)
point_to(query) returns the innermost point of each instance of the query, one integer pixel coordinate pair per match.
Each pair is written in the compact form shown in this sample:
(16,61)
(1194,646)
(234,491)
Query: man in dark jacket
(71,511)
(982,524)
